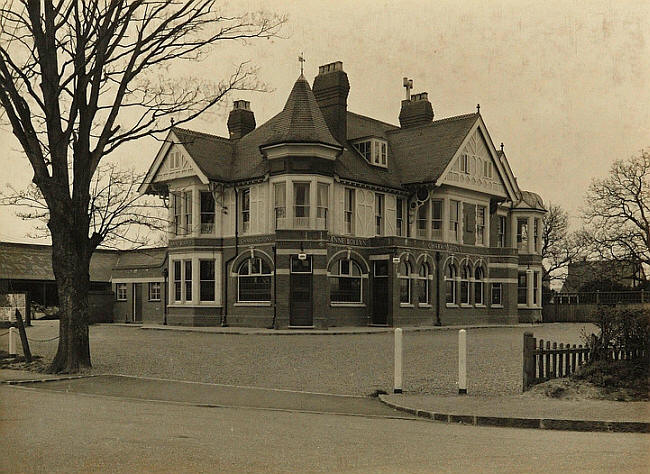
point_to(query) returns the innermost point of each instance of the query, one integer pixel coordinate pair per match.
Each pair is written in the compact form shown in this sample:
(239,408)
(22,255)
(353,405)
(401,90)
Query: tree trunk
(71,265)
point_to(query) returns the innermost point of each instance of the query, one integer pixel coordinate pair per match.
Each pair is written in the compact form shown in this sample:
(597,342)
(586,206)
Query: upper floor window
(322,204)
(501,232)
(374,150)
(207,212)
(463,163)
(399,215)
(454,214)
(280,204)
(178,212)
(349,211)
(487,169)
(522,234)
(379,214)
(301,204)
(188,211)
(245,204)
(536,234)
(422,221)
(436,219)
(480,225)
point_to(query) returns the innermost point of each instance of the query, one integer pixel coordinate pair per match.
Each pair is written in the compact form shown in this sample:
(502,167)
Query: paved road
(53,431)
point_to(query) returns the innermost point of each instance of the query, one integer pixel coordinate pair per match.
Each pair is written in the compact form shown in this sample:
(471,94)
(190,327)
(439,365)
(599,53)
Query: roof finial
(501,146)
(478,108)
(302,60)
(171,120)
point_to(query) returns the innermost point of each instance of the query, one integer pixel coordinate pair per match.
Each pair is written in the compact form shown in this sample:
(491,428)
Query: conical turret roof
(301,120)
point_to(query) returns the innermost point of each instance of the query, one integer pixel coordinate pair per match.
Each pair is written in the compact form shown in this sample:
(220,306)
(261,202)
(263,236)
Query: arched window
(465,275)
(450,280)
(405,282)
(345,282)
(423,284)
(479,286)
(254,281)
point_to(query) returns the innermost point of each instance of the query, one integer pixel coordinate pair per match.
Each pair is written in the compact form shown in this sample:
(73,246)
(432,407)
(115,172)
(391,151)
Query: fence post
(397,388)
(529,361)
(12,341)
(462,362)
(23,337)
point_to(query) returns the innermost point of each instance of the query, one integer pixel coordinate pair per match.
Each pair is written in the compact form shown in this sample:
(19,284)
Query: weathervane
(302,60)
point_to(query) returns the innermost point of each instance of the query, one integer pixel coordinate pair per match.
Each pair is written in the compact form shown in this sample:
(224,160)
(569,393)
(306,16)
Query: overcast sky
(564,84)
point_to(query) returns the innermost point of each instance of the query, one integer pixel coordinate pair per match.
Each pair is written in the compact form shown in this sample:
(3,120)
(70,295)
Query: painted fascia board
(479,124)
(495,157)
(171,139)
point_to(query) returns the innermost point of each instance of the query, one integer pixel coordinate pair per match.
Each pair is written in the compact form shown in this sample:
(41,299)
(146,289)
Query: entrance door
(380,293)
(137,302)
(300,297)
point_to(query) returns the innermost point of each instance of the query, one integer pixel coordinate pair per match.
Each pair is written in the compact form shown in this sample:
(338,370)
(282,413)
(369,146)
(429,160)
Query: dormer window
(374,150)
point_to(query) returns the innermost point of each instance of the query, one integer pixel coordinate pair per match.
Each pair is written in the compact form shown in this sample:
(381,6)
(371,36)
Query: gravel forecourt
(355,364)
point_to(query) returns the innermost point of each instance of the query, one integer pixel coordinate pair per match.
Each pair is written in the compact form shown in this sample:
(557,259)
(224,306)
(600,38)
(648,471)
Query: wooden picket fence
(548,360)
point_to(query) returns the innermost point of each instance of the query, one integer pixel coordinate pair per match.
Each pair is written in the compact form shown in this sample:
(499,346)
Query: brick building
(323,217)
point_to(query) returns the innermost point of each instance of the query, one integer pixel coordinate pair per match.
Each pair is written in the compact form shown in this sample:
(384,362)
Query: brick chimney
(331,88)
(416,110)
(241,119)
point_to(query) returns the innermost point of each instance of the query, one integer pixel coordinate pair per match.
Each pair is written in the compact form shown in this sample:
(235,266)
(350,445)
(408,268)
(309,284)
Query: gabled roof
(211,153)
(301,120)
(425,151)
(34,262)
(151,257)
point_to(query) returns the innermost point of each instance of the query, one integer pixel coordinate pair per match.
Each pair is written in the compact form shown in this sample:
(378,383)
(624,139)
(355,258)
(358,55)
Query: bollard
(398,361)
(462,362)
(12,341)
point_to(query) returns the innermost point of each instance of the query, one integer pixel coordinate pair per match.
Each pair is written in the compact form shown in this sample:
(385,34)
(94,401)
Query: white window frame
(380,211)
(340,274)
(479,283)
(195,258)
(349,214)
(454,221)
(494,286)
(121,292)
(466,277)
(481,225)
(245,213)
(427,277)
(207,228)
(409,279)
(451,281)
(261,273)
(152,292)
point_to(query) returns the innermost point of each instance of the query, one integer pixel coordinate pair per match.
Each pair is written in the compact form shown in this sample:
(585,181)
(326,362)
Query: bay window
(522,234)
(454,215)
(480,225)
(280,204)
(423,210)
(301,204)
(322,205)
(188,212)
(207,212)
(436,219)
(178,213)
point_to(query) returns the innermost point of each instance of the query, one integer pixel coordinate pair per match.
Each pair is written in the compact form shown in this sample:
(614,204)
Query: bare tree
(80,78)
(559,246)
(118,213)
(617,212)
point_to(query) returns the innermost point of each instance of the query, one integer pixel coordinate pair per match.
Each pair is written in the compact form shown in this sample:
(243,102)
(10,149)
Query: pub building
(323,217)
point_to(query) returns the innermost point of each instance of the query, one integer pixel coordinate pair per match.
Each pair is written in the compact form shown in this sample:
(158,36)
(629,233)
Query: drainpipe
(438,323)
(165,290)
(224,318)
(275,289)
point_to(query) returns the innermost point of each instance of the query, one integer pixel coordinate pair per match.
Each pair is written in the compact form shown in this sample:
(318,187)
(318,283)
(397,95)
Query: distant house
(620,274)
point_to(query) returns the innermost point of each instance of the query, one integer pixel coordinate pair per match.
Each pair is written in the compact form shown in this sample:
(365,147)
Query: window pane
(404,290)
(207,269)
(188,280)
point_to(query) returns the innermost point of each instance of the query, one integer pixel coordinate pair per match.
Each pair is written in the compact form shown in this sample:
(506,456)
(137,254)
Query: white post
(12,341)
(398,361)
(462,362)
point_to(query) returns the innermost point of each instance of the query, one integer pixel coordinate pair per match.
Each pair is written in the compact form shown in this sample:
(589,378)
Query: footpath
(506,411)
(527,412)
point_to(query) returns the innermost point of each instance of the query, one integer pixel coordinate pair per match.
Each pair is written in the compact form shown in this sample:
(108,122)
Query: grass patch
(630,376)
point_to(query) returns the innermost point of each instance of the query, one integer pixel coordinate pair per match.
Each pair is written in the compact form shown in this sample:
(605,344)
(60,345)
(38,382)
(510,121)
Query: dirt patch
(37,363)
(569,389)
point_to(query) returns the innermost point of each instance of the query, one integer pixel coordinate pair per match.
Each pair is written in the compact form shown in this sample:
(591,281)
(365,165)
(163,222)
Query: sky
(563,84)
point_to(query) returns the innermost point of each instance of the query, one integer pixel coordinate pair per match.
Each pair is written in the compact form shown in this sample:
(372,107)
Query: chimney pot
(331,89)
(241,119)
(416,111)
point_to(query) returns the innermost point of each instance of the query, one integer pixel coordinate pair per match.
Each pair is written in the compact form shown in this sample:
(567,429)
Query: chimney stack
(416,110)
(331,89)
(241,119)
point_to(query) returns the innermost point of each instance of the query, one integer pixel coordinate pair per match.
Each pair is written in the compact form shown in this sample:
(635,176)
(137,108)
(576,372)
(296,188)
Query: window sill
(252,303)
(496,306)
(406,305)
(348,305)
(153,301)
(465,305)
(121,301)
(424,305)
(201,304)
(451,305)
(480,306)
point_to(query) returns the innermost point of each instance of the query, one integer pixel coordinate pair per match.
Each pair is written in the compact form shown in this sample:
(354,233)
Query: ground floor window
(535,286)
(187,279)
(522,288)
(450,282)
(254,281)
(154,291)
(206,280)
(345,282)
(120,291)
(423,284)
(497,294)
(178,278)
(479,274)
(405,282)
(465,275)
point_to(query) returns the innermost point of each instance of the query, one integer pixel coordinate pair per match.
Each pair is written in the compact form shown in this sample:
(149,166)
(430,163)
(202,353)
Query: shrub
(623,327)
